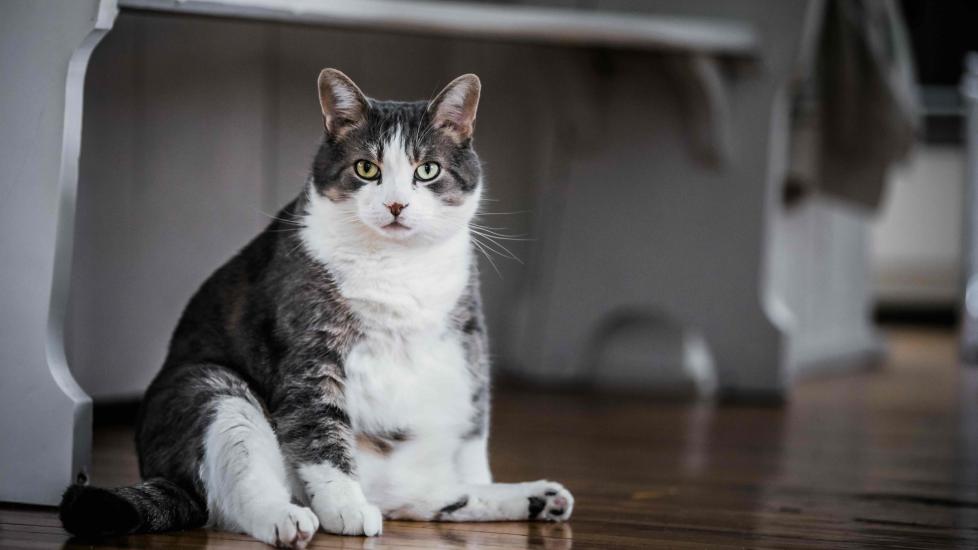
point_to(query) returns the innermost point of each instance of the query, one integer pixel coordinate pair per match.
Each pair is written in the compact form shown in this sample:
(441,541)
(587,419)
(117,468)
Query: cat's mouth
(396,226)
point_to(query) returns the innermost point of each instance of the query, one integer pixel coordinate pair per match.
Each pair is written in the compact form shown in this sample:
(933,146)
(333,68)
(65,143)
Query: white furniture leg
(45,418)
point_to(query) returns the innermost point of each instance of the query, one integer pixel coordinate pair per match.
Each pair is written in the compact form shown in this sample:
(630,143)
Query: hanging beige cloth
(857,112)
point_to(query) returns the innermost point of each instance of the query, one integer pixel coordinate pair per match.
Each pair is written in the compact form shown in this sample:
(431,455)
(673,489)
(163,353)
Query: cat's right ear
(344,105)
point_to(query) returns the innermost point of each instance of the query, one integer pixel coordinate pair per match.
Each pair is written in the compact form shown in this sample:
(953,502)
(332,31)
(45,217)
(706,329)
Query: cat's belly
(417,385)
(409,401)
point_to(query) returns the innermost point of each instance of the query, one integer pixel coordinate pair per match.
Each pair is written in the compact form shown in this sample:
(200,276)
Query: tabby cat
(334,372)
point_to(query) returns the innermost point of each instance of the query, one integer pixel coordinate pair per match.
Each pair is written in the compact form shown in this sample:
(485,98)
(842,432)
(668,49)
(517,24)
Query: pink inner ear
(345,100)
(457,106)
(341,103)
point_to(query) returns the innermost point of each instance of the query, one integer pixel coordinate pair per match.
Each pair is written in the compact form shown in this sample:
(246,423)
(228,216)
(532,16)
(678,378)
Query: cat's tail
(151,506)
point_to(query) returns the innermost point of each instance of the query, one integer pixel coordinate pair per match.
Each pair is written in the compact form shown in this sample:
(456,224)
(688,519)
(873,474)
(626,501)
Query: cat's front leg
(315,434)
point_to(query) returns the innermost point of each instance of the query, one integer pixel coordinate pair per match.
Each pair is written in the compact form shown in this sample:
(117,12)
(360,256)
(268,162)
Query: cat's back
(234,302)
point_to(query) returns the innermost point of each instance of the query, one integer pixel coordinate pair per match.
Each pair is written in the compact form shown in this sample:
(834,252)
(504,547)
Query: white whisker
(495,246)
(275,217)
(486,254)
(494,232)
(513,213)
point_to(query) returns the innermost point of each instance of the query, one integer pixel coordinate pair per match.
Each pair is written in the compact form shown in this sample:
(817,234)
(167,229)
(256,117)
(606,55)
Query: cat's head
(398,172)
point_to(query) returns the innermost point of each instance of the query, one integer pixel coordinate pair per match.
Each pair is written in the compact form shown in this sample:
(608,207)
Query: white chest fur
(408,372)
(403,290)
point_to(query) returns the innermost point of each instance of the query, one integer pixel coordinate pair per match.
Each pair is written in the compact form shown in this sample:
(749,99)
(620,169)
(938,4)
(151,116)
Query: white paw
(290,526)
(339,502)
(549,501)
(355,518)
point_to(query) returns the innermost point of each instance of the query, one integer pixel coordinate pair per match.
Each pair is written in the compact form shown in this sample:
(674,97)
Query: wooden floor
(886,458)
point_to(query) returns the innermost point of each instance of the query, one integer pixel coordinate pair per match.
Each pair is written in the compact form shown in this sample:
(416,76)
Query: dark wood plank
(884,458)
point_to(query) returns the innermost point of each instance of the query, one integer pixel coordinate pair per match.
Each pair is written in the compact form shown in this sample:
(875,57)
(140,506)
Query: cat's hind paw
(550,501)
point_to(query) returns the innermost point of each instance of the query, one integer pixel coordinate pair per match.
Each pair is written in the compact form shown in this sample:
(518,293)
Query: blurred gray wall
(197,128)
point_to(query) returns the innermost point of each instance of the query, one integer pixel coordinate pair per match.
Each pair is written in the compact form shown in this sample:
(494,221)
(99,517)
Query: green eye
(366,170)
(427,171)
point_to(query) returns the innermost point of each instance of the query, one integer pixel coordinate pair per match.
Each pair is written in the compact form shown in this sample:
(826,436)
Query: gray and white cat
(335,371)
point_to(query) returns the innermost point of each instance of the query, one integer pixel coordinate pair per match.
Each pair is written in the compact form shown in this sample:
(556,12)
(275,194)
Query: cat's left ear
(453,110)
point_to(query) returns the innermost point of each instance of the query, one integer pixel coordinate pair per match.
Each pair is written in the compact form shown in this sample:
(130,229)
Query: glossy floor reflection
(881,458)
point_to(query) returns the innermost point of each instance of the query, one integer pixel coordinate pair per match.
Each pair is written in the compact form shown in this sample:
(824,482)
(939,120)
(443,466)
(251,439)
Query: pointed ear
(344,105)
(454,108)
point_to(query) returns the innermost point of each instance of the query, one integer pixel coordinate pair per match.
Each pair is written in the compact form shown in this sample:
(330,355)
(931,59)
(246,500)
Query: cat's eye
(427,171)
(366,170)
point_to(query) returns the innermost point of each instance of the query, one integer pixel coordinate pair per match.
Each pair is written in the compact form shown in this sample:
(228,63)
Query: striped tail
(151,506)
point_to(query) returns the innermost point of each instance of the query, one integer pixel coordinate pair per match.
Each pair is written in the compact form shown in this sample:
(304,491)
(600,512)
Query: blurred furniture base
(643,241)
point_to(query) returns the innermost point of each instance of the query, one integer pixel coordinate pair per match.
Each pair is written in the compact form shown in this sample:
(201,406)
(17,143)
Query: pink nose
(396,208)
